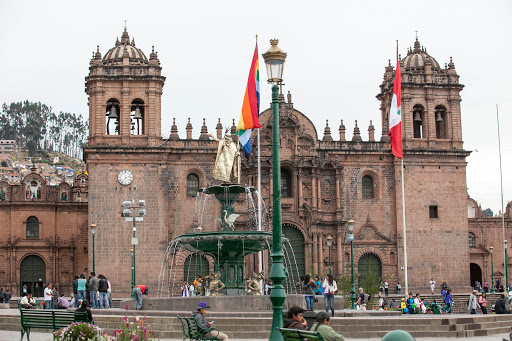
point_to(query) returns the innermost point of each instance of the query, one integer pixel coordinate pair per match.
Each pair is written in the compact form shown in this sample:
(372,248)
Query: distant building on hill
(7,146)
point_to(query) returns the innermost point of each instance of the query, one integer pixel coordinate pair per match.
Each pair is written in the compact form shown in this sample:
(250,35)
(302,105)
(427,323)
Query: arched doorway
(369,269)
(294,256)
(33,275)
(475,274)
(195,264)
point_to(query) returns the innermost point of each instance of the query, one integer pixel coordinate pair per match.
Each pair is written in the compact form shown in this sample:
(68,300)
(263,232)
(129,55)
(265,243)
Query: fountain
(227,247)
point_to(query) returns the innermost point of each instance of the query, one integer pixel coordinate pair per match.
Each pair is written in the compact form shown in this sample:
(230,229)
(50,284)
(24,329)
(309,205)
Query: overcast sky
(337,52)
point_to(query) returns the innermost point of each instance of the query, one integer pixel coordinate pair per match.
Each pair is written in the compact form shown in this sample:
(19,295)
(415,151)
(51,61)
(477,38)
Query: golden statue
(253,285)
(215,284)
(227,164)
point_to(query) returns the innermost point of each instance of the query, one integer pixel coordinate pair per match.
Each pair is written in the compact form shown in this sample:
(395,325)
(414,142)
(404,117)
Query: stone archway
(33,275)
(369,263)
(475,274)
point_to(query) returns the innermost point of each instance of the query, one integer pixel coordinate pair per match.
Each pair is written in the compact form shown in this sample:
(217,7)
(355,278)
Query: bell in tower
(124,90)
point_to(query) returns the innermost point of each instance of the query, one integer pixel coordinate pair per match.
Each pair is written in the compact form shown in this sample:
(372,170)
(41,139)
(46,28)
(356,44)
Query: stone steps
(351,327)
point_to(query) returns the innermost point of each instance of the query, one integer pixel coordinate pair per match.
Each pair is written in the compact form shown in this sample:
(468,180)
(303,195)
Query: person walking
(205,327)
(55,297)
(323,326)
(386,288)
(94,284)
(138,291)
(398,289)
(330,288)
(472,302)
(103,291)
(448,300)
(80,289)
(48,292)
(309,291)
(74,285)
(483,303)
(432,285)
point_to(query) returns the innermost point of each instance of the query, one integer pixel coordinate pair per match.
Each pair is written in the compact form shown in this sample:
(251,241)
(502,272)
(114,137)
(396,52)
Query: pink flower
(126,307)
(136,338)
(134,319)
(126,319)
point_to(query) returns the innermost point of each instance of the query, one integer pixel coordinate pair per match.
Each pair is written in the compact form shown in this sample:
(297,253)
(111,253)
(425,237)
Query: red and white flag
(395,117)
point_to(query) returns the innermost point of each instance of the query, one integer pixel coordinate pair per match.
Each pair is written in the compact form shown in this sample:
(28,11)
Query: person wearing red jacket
(138,291)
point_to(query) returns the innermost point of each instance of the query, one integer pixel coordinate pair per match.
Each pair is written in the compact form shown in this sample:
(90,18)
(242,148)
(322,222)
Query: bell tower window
(113,117)
(419,123)
(441,123)
(137,117)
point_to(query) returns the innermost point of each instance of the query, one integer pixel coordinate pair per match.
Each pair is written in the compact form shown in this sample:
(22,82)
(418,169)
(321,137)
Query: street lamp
(93,232)
(350,238)
(492,271)
(274,61)
(133,212)
(329,244)
(506,265)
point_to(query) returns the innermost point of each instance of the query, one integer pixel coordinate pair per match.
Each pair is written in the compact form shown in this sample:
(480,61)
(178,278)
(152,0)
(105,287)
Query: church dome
(417,58)
(114,56)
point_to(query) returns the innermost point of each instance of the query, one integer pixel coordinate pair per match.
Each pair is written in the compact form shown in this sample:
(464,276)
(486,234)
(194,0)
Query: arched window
(137,117)
(441,123)
(192,185)
(113,117)
(32,228)
(471,240)
(286,183)
(367,184)
(418,119)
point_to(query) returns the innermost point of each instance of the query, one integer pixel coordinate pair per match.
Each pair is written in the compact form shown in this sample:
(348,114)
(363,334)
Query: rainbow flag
(395,117)
(249,117)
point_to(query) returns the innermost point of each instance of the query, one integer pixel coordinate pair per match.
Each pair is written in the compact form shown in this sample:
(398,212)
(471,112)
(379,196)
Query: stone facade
(328,181)
(43,233)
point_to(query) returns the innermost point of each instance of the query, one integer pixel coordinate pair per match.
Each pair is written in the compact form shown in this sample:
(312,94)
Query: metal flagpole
(260,254)
(405,237)
(502,211)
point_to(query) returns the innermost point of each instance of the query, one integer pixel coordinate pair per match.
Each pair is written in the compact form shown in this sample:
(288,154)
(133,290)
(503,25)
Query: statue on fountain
(227,164)
(253,285)
(216,284)
(200,286)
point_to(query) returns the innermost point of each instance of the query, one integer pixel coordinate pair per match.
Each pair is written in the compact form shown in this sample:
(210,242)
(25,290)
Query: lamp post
(350,238)
(134,216)
(93,232)
(492,271)
(506,265)
(274,61)
(329,244)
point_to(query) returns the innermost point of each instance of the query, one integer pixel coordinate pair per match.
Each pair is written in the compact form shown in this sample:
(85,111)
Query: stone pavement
(13,335)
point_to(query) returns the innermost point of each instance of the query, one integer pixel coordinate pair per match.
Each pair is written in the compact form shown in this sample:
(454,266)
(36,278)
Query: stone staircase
(257,325)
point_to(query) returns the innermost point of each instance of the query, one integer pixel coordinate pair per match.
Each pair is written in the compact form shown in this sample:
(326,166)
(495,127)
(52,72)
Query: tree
(370,282)
(344,286)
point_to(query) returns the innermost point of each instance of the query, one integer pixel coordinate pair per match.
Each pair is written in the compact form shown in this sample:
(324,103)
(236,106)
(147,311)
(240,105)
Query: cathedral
(326,180)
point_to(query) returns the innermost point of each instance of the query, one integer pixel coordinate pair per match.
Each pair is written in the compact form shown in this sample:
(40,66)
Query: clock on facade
(125,177)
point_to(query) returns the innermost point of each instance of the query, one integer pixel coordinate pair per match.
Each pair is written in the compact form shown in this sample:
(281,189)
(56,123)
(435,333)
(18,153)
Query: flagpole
(403,219)
(502,211)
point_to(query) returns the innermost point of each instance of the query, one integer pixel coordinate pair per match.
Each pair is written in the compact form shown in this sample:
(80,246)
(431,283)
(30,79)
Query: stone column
(338,196)
(301,199)
(319,190)
(315,252)
(339,251)
(321,264)
(313,187)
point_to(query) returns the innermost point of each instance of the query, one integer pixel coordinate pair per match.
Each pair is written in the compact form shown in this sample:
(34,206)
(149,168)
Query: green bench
(191,330)
(300,335)
(49,319)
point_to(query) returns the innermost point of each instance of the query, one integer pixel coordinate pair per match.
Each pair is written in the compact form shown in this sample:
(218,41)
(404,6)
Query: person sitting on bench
(322,325)
(28,302)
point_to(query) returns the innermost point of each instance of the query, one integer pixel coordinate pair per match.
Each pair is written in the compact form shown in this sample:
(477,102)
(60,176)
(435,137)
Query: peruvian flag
(395,117)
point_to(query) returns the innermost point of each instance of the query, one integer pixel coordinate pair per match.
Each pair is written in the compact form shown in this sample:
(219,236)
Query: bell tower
(124,90)
(431,117)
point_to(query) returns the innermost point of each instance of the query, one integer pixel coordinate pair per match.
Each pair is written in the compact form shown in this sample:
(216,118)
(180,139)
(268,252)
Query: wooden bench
(191,330)
(49,319)
(300,335)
